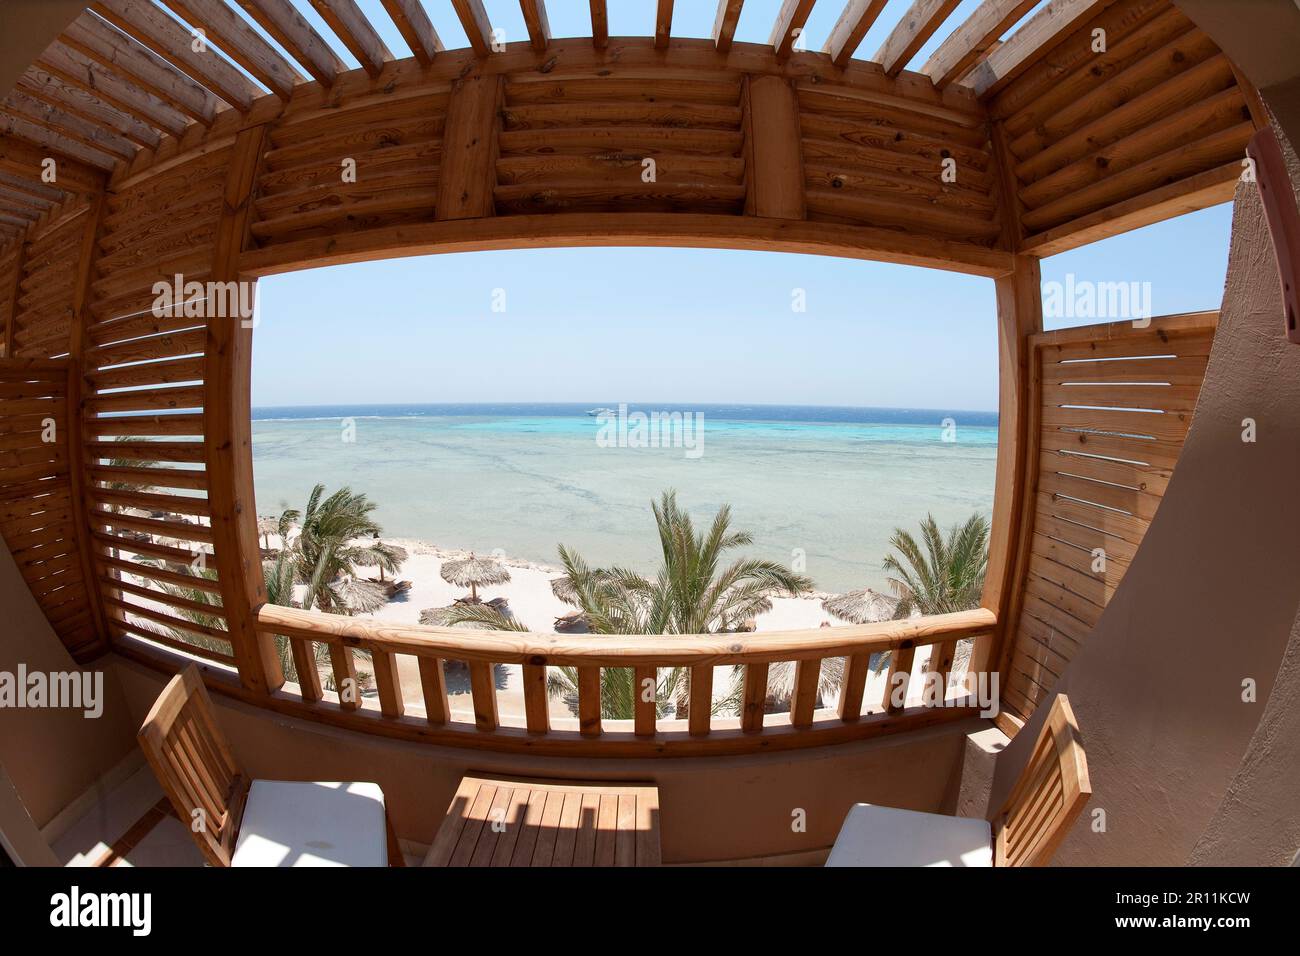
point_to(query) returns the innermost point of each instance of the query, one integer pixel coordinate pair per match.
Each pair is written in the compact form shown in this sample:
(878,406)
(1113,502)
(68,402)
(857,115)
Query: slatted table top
(498,821)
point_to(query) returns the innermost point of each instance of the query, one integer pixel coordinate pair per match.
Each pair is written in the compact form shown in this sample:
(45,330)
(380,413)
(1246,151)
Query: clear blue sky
(645,325)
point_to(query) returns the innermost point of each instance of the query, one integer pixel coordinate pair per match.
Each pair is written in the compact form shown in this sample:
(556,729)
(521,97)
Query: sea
(820,489)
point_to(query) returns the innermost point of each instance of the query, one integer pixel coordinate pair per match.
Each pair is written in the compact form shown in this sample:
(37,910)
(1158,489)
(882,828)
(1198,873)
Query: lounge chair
(241,822)
(1026,830)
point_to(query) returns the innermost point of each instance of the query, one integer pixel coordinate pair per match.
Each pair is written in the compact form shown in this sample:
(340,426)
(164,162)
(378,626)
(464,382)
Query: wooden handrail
(558,650)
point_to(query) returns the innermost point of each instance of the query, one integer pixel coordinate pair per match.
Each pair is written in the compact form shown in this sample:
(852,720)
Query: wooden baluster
(941,657)
(854,684)
(304,662)
(754,696)
(388,682)
(482,686)
(900,662)
(646,710)
(536,709)
(434,684)
(701,699)
(345,677)
(803,701)
(589,701)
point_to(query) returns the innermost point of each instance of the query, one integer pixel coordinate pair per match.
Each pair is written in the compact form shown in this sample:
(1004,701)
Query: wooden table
(501,821)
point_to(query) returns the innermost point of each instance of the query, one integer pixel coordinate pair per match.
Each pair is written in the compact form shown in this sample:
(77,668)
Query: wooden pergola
(209,164)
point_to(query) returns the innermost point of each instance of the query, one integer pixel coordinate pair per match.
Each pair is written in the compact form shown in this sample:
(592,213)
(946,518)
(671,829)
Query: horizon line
(901,408)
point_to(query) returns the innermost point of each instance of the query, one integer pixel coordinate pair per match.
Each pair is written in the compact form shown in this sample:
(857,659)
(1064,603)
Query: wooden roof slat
(39,135)
(38,191)
(789,24)
(857,17)
(22,160)
(134,61)
(413,24)
(973,40)
(14,198)
(1031,43)
(599,24)
(14,222)
(18,103)
(347,21)
(292,31)
(663,24)
(919,23)
(724,23)
(166,37)
(48,87)
(240,42)
(74,67)
(539,25)
(478,28)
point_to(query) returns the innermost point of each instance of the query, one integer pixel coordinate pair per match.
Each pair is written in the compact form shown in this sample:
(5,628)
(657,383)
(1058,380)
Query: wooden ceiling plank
(49,88)
(37,191)
(347,21)
(292,31)
(539,25)
(45,138)
(789,25)
(416,29)
(974,39)
(22,160)
(161,33)
(1031,43)
(478,28)
(125,55)
(13,221)
(240,42)
(77,69)
(599,24)
(919,23)
(18,199)
(18,103)
(663,24)
(857,17)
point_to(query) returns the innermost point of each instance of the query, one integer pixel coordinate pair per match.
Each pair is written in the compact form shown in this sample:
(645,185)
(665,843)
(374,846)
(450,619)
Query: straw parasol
(863,606)
(472,571)
(362,596)
(374,555)
(267,526)
(563,589)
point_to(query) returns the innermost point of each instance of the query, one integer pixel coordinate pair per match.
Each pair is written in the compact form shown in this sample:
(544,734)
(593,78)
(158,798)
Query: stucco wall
(1209,600)
(51,756)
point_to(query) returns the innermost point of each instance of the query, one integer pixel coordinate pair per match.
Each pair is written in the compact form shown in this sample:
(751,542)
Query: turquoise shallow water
(521,479)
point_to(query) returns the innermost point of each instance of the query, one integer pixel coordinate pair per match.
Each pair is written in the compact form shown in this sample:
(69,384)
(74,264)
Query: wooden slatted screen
(578,143)
(36,509)
(1113,405)
(47,291)
(395,149)
(144,398)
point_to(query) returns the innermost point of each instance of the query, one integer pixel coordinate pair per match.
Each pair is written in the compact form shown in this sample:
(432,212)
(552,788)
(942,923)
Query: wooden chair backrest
(190,757)
(1048,796)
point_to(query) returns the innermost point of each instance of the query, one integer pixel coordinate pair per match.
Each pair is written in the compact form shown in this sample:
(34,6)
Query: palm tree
(692,593)
(323,552)
(947,576)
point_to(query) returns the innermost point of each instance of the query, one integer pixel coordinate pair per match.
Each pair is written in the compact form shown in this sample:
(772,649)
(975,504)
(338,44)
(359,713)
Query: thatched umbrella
(267,526)
(472,571)
(863,606)
(563,589)
(374,556)
(362,596)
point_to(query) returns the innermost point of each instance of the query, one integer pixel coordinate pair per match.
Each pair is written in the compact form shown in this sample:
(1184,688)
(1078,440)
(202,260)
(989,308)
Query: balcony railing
(702,732)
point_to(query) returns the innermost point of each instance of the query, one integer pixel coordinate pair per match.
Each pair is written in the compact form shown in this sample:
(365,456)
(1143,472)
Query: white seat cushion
(885,836)
(289,823)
